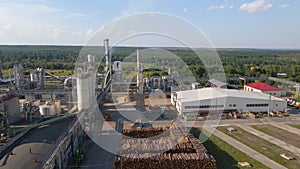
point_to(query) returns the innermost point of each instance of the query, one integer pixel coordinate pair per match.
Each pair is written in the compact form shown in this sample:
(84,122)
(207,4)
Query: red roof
(262,86)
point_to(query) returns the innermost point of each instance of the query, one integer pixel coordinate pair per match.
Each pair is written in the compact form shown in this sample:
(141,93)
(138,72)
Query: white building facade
(224,100)
(264,88)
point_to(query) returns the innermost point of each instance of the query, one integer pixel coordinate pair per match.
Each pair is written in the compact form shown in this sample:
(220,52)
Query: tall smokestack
(138,66)
(139,72)
(106,48)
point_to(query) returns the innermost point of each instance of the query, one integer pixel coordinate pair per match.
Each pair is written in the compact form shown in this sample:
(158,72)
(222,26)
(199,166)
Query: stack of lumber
(181,150)
(174,161)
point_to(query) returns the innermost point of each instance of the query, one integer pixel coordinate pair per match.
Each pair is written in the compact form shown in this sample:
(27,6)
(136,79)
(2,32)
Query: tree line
(236,62)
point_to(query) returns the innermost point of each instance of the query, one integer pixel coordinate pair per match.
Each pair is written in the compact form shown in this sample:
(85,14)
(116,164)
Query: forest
(236,62)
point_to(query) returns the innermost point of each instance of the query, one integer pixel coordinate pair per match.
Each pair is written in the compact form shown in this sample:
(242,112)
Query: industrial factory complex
(50,121)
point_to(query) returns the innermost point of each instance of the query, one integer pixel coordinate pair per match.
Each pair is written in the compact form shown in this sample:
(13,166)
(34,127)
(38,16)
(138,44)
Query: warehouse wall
(232,103)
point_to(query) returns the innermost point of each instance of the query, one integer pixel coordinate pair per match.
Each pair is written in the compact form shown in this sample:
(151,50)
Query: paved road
(252,153)
(271,139)
(39,140)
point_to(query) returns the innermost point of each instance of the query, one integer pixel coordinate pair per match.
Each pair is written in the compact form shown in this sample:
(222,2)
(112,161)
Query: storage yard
(172,150)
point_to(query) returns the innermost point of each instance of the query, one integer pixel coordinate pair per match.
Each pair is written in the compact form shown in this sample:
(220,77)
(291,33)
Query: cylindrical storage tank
(57,106)
(42,78)
(44,110)
(53,110)
(83,93)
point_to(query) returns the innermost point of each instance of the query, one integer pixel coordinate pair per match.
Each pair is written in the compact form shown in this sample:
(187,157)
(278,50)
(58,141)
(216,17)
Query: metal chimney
(139,73)
(106,48)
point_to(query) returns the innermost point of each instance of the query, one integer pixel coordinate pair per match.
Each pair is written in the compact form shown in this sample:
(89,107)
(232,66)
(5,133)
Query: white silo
(83,92)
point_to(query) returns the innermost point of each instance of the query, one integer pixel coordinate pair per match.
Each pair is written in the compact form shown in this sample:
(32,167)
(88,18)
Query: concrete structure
(264,88)
(18,70)
(191,102)
(44,147)
(10,104)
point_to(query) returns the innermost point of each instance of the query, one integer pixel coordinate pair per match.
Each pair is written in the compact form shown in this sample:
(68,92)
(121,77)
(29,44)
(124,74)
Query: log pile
(144,132)
(180,151)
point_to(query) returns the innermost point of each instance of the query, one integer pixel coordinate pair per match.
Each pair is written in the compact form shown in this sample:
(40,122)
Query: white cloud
(185,10)
(76,34)
(77,15)
(57,33)
(284,6)
(215,7)
(89,33)
(22,23)
(257,5)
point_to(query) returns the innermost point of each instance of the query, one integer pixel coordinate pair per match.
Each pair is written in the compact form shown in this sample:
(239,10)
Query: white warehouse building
(223,100)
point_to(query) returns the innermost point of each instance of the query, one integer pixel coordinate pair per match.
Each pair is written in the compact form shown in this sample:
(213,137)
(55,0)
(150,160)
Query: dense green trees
(236,62)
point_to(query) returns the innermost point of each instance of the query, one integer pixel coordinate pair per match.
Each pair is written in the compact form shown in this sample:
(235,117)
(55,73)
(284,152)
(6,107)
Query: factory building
(264,88)
(193,102)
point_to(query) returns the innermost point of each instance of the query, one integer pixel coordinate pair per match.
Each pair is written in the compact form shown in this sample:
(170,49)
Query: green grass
(278,133)
(262,146)
(295,125)
(227,156)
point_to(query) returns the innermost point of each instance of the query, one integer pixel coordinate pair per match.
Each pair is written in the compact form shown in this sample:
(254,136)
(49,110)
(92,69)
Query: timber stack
(162,148)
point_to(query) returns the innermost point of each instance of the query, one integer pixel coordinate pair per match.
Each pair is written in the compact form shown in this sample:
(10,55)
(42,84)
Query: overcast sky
(227,23)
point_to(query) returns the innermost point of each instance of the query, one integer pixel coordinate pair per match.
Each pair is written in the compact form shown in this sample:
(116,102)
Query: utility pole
(241,78)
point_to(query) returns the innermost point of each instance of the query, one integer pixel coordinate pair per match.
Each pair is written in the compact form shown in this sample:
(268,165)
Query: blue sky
(227,23)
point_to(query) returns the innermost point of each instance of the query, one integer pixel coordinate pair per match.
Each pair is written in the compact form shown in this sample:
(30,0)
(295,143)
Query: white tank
(44,110)
(53,110)
(83,93)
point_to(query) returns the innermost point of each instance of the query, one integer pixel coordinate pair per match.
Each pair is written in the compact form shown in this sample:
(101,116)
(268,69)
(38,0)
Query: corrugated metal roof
(262,86)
